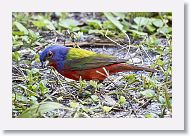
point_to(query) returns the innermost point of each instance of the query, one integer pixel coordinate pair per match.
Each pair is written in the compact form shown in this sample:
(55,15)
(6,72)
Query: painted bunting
(76,63)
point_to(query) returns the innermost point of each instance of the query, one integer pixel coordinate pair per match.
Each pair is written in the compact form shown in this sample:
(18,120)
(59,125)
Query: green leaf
(39,24)
(150,28)
(18,33)
(44,23)
(106,109)
(33,100)
(168,100)
(19,97)
(38,109)
(74,29)
(119,14)
(122,100)
(134,26)
(68,23)
(142,21)
(34,87)
(37,58)
(16,56)
(95,23)
(35,71)
(49,24)
(99,32)
(74,104)
(150,115)
(95,84)
(42,87)
(138,33)
(95,98)
(148,93)
(157,22)
(152,40)
(34,36)
(109,25)
(21,28)
(165,30)
(161,100)
(160,62)
(114,21)
(131,78)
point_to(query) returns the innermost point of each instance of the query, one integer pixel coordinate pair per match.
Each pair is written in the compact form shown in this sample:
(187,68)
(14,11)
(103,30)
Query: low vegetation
(142,38)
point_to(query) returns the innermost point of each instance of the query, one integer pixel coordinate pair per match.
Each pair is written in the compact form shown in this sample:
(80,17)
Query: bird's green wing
(80,59)
(77,53)
(91,62)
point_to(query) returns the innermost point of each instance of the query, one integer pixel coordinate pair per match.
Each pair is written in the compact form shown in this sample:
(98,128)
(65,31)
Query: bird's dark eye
(50,54)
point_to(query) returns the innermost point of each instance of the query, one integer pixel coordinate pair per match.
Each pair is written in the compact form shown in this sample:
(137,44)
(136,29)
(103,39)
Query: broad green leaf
(44,23)
(39,24)
(148,93)
(74,29)
(165,30)
(142,21)
(109,25)
(134,26)
(119,14)
(114,21)
(152,40)
(69,23)
(39,109)
(16,56)
(49,24)
(21,27)
(34,36)
(95,23)
(19,97)
(157,22)
(150,28)
(33,100)
(169,17)
(19,33)
(126,25)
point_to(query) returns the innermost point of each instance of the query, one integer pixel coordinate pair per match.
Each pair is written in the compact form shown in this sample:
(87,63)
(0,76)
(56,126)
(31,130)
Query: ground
(141,38)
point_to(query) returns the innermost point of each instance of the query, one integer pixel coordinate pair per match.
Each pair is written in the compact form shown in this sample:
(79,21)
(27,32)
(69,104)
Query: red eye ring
(50,54)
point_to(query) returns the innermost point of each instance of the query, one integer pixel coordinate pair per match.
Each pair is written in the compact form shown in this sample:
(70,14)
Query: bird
(77,63)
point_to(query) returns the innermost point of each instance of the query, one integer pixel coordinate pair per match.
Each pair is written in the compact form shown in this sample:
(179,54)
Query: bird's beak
(45,64)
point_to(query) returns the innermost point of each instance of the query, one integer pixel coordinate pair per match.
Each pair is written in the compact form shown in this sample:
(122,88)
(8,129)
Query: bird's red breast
(100,73)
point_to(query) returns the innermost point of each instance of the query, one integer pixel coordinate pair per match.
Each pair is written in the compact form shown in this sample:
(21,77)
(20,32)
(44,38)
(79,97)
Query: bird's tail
(136,68)
(128,67)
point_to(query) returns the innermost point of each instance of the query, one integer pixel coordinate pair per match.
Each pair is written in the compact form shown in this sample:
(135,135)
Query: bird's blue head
(54,55)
